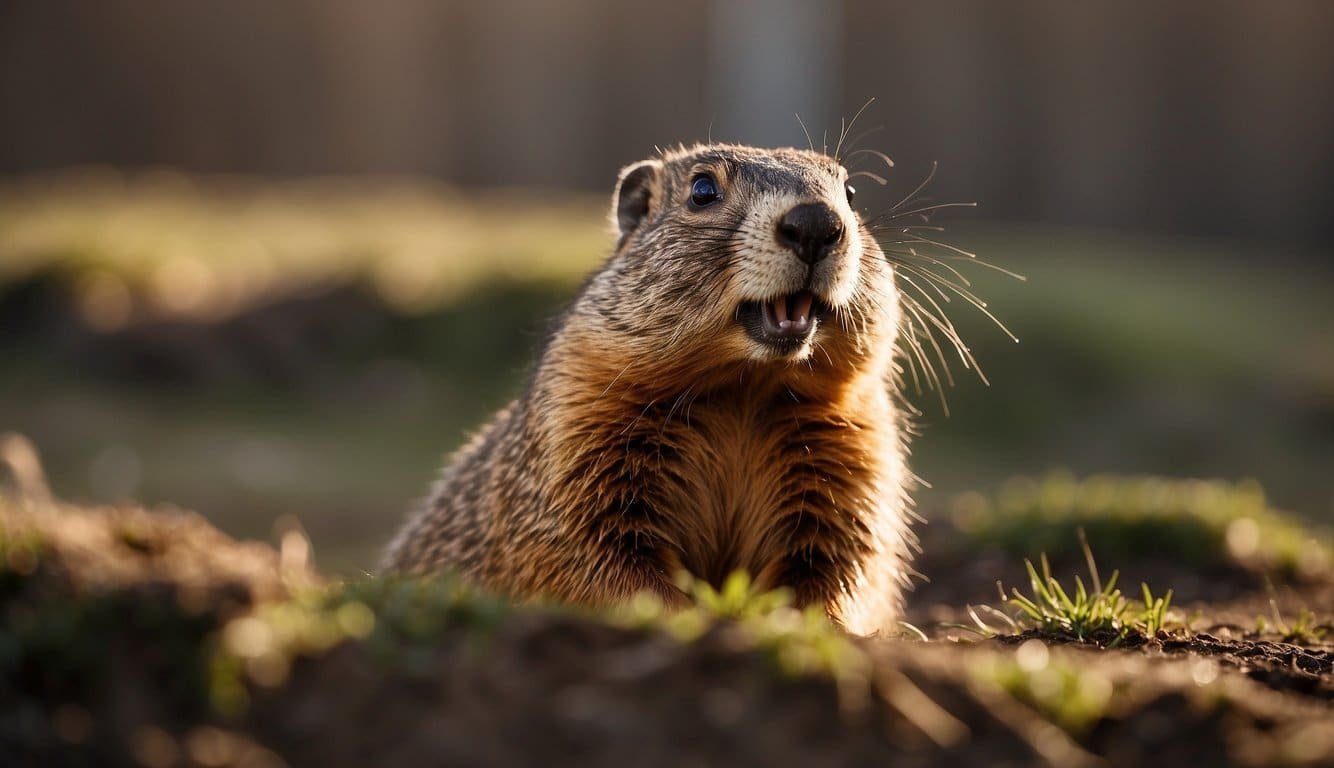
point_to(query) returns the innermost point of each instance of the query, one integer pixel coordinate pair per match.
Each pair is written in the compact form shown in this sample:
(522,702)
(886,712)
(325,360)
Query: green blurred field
(253,350)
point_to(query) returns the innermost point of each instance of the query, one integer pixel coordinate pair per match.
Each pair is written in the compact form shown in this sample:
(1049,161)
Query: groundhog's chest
(744,479)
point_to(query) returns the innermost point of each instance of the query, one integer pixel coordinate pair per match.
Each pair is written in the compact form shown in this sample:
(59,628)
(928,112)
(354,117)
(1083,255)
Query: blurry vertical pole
(770,60)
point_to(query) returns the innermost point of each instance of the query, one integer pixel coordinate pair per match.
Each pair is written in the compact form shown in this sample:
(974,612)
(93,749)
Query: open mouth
(785,322)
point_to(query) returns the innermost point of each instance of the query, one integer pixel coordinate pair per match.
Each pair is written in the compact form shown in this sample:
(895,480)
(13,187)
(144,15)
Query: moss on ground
(1195,522)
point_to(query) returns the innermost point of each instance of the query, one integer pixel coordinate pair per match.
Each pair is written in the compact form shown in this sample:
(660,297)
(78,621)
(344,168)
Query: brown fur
(655,436)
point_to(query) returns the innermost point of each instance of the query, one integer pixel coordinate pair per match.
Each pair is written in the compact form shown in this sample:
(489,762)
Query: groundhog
(721,395)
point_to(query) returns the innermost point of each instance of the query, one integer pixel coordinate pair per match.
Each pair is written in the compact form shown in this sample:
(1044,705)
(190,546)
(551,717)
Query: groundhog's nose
(811,230)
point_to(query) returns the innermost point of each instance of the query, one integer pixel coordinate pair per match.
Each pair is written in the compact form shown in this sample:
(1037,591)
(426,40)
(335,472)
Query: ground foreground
(149,638)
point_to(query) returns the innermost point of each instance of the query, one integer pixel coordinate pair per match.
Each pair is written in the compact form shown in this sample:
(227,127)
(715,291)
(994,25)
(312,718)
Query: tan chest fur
(727,496)
(762,479)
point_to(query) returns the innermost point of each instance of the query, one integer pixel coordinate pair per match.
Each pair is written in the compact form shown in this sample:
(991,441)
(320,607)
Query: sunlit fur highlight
(656,436)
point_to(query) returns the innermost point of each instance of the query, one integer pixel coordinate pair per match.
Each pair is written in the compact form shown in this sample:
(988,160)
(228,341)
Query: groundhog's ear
(636,193)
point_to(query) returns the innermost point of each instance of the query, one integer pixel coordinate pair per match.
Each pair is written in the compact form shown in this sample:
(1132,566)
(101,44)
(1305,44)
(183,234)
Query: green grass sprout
(1154,617)
(1092,612)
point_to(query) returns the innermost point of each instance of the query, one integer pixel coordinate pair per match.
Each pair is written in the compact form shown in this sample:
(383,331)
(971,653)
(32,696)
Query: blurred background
(274,260)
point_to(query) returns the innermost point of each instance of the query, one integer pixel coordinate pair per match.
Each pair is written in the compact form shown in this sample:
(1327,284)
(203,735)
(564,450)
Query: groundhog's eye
(703,191)
(852,192)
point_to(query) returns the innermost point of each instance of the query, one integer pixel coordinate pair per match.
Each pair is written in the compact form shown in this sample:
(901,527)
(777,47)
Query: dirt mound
(101,549)
(148,638)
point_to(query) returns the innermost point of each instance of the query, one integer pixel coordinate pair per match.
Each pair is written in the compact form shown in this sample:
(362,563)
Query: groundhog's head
(737,254)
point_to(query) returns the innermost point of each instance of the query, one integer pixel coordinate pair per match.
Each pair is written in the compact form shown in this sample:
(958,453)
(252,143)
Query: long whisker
(875,152)
(939,244)
(843,134)
(896,214)
(911,368)
(967,255)
(936,277)
(940,258)
(916,311)
(877,178)
(963,293)
(941,321)
(919,188)
(913,349)
(934,285)
(983,263)
(917,331)
(858,139)
(809,142)
(926,320)
(922,257)
(915,342)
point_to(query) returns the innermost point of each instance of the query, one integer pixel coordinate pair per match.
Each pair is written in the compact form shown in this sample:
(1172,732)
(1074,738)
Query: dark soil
(111,655)
(1285,667)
